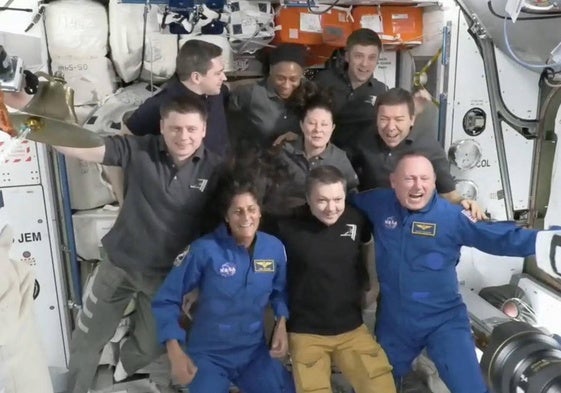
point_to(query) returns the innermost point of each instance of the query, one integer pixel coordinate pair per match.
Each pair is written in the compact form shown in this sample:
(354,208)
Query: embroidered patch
(390,222)
(200,185)
(181,257)
(467,213)
(351,232)
(264,265)
(371,100)
(228,269)
(423,229)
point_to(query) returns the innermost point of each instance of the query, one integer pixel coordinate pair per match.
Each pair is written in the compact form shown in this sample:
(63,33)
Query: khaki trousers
(356,354)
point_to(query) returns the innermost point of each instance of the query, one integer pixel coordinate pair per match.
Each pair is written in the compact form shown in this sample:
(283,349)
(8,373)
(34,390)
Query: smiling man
(200,76)
(378,151)
(418,236)
(168,179)
(354,87)
(327,279)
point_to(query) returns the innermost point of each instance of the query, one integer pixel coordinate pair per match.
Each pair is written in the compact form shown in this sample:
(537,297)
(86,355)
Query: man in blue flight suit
(238,272)
(418,236)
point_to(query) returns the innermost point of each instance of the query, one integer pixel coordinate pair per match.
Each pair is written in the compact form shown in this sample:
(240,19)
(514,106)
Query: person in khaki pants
(327,282)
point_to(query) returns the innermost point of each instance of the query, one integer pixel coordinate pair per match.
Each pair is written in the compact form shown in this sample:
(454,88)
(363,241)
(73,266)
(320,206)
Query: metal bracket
(477,27)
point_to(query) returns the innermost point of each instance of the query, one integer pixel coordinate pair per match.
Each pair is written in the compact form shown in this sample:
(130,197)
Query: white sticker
(293,34)
(310,23)
(400,16)
(372,22)
(513,8)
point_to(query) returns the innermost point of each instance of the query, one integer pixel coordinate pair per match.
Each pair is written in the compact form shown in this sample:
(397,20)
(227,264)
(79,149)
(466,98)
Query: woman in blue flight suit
(238,272)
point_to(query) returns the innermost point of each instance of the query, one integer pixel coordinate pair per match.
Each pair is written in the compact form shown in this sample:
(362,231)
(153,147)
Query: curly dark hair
(236,182)
(309,96)
(258,172)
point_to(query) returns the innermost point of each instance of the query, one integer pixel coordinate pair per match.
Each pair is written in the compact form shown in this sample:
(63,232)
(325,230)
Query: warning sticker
(15,152)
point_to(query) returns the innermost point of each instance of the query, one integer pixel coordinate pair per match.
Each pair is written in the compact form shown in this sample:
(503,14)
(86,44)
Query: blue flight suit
(420,305)
(227,341)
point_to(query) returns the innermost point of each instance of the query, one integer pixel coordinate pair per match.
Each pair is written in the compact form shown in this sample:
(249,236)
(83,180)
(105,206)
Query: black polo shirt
(353,107)
(375,160)
(326,274)
(264,111)
(163,205)
(146,119)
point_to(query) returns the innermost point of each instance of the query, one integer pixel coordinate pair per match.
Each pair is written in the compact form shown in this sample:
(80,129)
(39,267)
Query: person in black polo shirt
(199,74)
(354,87)
(395,135)
(327,279)
(168,180)
(313,148)
(262,111)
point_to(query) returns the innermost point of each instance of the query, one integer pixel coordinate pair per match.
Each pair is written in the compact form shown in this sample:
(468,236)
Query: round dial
(467,189)
(474,121)
(465,154)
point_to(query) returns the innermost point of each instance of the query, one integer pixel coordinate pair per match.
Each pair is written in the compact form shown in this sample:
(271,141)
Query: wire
(16,9)
(518,59)
(309,4)
(547,16)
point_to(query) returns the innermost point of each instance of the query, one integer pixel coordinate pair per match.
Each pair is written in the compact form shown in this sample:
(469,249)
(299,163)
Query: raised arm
(366,202)
(91,154)
(497,238)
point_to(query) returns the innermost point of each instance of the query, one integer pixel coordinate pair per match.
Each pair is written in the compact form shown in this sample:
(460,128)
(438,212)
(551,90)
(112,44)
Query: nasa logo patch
(390,222)
(228,269)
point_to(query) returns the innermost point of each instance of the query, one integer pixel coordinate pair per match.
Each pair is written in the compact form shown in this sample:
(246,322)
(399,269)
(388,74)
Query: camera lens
(522,359)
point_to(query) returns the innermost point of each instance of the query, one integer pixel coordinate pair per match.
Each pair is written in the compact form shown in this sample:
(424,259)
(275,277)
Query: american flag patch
(467,213)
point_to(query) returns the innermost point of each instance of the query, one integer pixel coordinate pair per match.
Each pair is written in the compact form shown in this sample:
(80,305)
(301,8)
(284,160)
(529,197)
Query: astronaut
(418,237)
(238,272)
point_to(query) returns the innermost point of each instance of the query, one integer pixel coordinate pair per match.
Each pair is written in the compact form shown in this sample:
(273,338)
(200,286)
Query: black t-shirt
(326,273)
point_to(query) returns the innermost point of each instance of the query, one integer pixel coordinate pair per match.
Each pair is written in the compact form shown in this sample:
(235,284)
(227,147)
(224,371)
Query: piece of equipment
(50,118)
(11,72)
(522,359)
